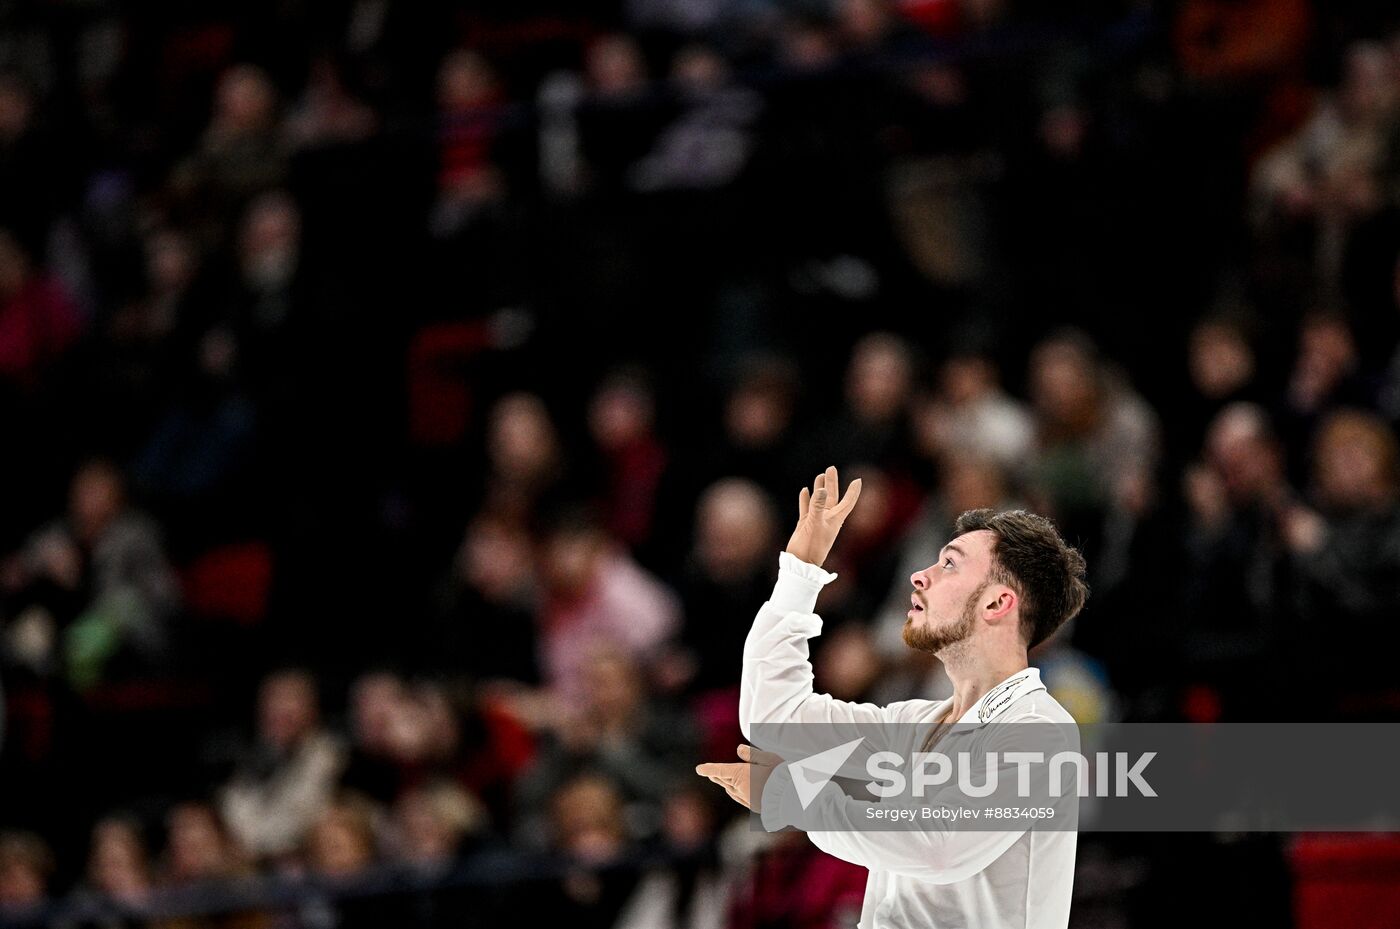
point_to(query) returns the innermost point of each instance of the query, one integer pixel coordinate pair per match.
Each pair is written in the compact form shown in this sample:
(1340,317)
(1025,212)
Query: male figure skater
(1003,584)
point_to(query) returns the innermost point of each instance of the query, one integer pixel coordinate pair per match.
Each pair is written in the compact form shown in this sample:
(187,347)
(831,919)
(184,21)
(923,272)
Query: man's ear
(999,601)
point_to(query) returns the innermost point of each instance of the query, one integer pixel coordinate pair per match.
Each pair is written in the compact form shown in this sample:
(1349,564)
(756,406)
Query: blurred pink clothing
(37,324)
(623,608)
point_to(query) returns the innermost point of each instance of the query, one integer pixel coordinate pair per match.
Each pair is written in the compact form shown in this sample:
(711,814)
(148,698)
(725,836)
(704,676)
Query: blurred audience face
(804,46)
(1242,450)
(1369,82)
(758,410)
(967,379)
(25,865)
(847,664)
(244,101)
(587,820)
(865,23)
(269,241)
(117,863)
(572,557)
(465,80)
(1221,361)
(699,68)
(971,483)
(615,67)
(877,500)
(1064,381)
(687,820)
(620,414)
(1357,462)
(287,709)
(171,262)
(433,820)
(734,529)
(522,439)
(341,842)
(615,689)
(880,378)
(96,498)
(374,705)
(496,558)
(196,844)
(1326,355)
(422,726)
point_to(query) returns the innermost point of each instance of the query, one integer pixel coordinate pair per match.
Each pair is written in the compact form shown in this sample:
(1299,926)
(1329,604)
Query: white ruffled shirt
(1021,878)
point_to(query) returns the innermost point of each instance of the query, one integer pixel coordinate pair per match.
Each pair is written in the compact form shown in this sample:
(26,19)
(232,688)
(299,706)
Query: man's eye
(947,562)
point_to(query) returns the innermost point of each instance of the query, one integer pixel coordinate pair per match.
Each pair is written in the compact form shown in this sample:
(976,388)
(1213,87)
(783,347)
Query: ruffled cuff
(798,584)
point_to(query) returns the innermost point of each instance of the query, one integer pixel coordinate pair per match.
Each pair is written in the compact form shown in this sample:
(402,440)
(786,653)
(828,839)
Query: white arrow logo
(811,774)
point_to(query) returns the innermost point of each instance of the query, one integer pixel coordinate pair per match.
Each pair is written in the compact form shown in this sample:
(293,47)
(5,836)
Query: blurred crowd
(403,406)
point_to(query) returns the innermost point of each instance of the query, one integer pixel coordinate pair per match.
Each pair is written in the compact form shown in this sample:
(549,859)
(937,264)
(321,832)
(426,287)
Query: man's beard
(933,639)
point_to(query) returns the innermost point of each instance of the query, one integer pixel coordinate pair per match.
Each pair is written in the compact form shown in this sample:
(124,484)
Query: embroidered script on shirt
(998,697)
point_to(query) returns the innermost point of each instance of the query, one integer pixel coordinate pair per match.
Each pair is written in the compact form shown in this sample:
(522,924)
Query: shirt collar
(995,701)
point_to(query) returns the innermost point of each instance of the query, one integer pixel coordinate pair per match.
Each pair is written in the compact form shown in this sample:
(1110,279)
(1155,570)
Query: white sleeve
(776,686)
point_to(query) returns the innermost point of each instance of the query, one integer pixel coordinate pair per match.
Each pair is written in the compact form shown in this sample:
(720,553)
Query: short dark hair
(1029,556)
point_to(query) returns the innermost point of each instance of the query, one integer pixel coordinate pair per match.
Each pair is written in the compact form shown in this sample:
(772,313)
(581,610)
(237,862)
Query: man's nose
(917,579)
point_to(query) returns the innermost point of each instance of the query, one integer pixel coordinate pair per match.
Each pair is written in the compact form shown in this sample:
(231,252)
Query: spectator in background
(621,421)
(471,104)
(1325,375)
(1097,441)
(199,847)
(620,119)
(101,577)
(587,828)
(26,864)
(288,777)
(596,596)
(616,730)
(343,838)
(1347,559)
(484,617)
(873,427)
(241,154)
(526,459)
(1234,599)
(371,770)
(29,165)
(328,112)
(1221,369)
(119,869)
(709,142)
(38,320)
(342,845)
(434,824)
(1325,174)
(758,430)
(729,569)
(971,415)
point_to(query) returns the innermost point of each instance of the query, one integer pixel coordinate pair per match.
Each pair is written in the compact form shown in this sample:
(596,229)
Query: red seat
(230,583)
(1346,881)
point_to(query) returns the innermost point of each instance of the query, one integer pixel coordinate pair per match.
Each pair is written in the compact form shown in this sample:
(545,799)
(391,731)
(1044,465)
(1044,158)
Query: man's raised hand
(821,512)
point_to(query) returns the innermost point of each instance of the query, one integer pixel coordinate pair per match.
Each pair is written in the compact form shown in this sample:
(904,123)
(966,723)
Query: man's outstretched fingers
(804,498)
(848,502)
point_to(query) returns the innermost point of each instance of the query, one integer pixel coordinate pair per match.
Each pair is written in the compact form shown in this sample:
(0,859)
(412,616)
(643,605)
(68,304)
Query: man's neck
(973,674)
